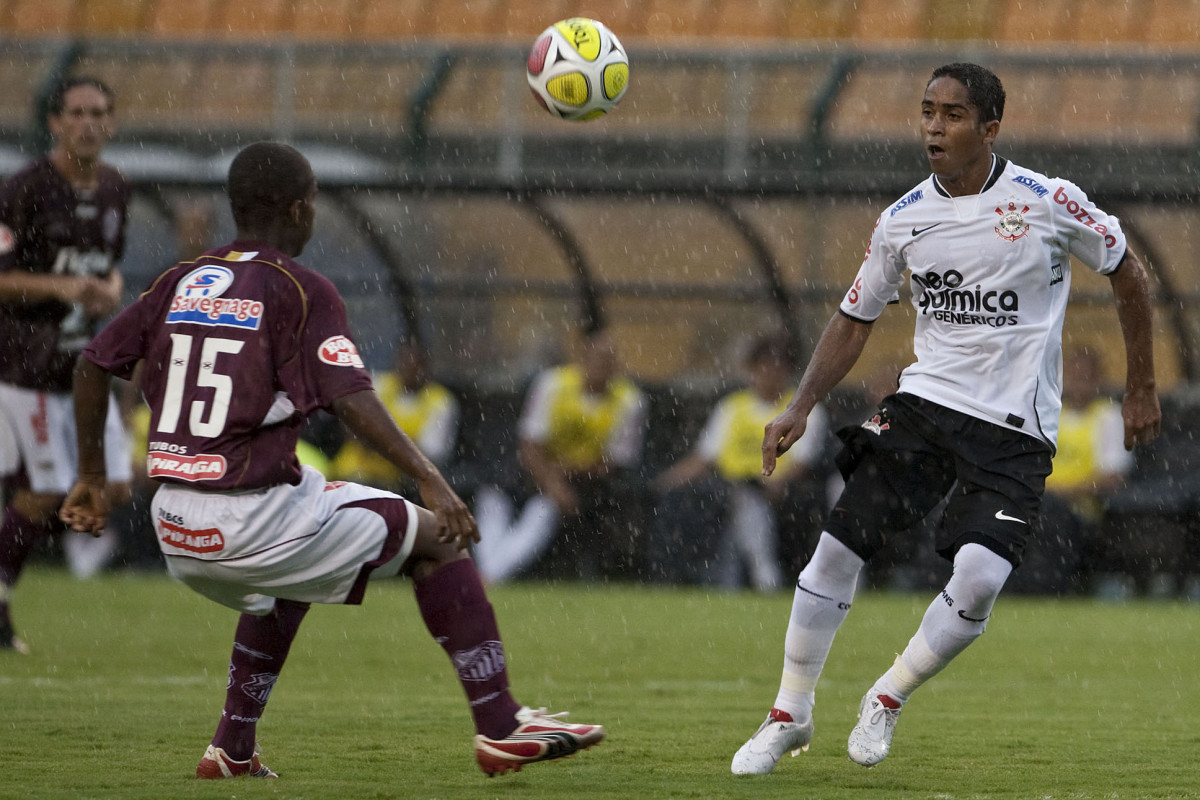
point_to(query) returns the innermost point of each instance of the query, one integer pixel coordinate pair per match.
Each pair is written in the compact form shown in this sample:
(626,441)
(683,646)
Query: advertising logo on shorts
(339,351)
(198,300)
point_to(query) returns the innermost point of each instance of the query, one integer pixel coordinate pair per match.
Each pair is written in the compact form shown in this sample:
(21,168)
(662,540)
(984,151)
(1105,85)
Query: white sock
(822,600)
(957,617)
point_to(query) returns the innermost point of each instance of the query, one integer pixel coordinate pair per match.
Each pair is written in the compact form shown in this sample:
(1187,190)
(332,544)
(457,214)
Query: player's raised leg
(955,618)
(456,610)
(823,595)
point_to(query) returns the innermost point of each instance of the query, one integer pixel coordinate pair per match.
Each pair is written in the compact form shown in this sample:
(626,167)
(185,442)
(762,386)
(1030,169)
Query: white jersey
(990,274)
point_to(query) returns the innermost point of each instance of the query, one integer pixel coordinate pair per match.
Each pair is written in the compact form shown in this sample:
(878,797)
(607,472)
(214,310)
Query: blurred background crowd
(586,325)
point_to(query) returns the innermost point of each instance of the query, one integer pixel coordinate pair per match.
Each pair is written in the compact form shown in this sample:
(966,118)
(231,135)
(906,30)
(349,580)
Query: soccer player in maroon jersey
(237,348)
(62,231)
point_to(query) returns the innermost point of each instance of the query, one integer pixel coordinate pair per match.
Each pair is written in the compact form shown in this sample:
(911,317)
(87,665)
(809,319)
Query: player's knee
(979,575)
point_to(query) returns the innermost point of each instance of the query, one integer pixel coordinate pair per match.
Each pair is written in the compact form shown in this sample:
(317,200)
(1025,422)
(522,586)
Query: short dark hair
(772,346)
(984,89)
(57,98)
(265,178)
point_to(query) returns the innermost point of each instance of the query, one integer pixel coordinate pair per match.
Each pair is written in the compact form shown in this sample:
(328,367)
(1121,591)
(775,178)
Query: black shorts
(912,454)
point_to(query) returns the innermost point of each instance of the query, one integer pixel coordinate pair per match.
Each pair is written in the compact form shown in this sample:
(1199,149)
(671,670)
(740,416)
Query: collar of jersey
(998,165)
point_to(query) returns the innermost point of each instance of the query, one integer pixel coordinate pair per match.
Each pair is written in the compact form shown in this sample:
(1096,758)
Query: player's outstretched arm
(365,415)
(1140,407)
(86,507)
(836,352)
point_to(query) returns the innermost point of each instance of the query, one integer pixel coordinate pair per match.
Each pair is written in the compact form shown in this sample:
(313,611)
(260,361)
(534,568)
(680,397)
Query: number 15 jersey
(238,347)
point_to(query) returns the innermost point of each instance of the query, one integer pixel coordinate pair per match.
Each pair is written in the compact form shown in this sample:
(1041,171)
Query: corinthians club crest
(1012,225)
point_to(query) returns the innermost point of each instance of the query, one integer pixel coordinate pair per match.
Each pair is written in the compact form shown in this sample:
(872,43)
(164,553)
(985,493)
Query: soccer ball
(577,69)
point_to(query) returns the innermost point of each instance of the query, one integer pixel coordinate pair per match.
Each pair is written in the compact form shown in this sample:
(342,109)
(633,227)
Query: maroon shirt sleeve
(326,365)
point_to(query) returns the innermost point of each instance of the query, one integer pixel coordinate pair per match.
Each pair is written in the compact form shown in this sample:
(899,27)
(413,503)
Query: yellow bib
(740,456)
(581,423)
(1075,459)
(359,463)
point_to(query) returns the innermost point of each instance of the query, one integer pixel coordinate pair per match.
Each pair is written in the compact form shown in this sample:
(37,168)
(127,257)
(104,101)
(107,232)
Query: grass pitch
(1060,699)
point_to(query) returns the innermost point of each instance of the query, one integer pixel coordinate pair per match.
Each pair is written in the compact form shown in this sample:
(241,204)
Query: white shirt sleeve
(713,435)
(1111,456)
(534,424)
(625,442)
(440,433)
(808,448)
(1094,236)
(878,281)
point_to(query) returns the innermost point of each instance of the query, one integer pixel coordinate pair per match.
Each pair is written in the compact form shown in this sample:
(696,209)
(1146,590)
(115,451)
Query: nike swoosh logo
(919,231)
(1001,515)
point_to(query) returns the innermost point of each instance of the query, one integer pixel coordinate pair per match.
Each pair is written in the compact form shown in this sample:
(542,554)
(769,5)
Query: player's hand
(779,436)
(86,507)
(455,524)
(1143,417)
(100,296)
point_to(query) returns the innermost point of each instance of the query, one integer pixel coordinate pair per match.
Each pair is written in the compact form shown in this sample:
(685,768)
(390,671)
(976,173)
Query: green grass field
(1060,699)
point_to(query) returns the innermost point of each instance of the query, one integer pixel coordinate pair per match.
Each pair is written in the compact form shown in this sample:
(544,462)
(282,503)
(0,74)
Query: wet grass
(1061,699)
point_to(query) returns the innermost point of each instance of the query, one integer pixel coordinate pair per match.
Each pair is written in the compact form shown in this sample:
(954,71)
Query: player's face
(955,139)
(85,124)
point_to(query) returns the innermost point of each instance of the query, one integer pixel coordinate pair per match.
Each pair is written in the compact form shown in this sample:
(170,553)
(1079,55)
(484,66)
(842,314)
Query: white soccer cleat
(779,734)
(871,738)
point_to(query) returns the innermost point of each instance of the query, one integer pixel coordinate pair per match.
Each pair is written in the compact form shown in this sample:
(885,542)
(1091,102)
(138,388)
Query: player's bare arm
(1140,407)
(548,475)
(20,286)
(836,352)
(86,506)
(365,415)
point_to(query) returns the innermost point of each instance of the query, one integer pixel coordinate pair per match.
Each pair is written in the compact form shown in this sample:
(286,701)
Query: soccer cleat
(779,734)
(871,738)
(539,737)
(217,764)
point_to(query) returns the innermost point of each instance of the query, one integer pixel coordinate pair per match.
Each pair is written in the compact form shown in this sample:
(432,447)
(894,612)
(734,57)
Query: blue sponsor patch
(908,201)
(1038,189)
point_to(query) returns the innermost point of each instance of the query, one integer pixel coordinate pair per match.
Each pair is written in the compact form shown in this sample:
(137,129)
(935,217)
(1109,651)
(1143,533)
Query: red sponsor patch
(209,540)
(340,352)
(185,468)
(331,485)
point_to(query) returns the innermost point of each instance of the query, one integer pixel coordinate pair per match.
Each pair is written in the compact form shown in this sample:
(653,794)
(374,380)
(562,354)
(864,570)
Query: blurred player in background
(580,435)
(988,245)
(237,349)
(424,409)
(731,444)
(62,231)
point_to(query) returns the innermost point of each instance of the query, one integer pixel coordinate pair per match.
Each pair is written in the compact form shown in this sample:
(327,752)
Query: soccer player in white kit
(236,349)
(987,246)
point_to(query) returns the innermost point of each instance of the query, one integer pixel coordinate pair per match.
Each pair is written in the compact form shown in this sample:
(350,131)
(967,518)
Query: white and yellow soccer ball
(578,69)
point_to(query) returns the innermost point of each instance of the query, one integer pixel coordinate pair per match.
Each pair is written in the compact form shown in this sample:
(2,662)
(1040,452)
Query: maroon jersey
(239,346)
(47,226)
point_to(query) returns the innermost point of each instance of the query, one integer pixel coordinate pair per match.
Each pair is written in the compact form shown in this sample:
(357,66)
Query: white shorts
(317,542)
(37,431)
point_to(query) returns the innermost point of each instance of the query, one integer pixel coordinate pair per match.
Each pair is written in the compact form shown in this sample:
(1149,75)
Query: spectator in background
(580,436)
(424,409)
(62,232)
(731,444)
(1091,462)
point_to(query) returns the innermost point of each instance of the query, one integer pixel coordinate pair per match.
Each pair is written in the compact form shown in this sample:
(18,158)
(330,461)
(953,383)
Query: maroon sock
(18,535)
(260,647)
(457,612)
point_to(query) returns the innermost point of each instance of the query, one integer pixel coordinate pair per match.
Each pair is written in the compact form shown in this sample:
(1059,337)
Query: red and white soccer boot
(538,737)
(217,764)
